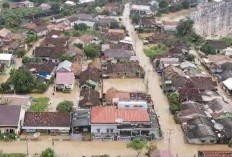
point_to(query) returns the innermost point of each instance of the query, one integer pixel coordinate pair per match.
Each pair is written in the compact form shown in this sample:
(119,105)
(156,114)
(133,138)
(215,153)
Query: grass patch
(39,104)
(154,51)
(12,154)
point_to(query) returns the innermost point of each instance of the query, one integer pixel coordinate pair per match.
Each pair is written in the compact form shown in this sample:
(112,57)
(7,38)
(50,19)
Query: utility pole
(170,132)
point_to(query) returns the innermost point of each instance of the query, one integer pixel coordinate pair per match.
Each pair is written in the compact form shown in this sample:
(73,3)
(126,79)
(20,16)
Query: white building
(227,85)
(132,104)
(6,59)
(111,122)
(141,9)
(70,3)
(85,1)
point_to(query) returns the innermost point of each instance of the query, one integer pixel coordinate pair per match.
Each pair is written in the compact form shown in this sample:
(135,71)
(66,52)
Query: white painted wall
(103,128)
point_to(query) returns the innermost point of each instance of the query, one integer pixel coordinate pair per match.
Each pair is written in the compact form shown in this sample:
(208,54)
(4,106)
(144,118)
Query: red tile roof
(110,114)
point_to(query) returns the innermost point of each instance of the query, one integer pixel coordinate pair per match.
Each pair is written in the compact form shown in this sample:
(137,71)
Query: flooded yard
(130,85)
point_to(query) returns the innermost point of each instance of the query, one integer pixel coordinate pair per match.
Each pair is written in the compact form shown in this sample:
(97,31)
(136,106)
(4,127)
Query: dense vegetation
(154,51)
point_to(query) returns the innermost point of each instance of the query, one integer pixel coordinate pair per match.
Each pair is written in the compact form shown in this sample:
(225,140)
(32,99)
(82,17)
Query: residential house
(45,6)
(227,51)
(103,24)
(170,26)
(114,35)
(6,59)
(113,8)
(117,55)
(142,10)
(81,121)
(49,122)
(132,104)
(39,30)
(89,98)
(117,70)
(45,70)
(70,3)
(219,46)
(11,117)
(54,34)
(90,78)
(55,41)
(64,66)
(81,18)
(76,54)
(85,40)
(113,95)
(64,81)
(76,68)
(16,100)
(49,53)
(227,85)
(187,65)
(4,33)
(157,37)
(27,4)
(214,153)
(58,18)
(199,131)
(116,123)
(149,24)
(86,1)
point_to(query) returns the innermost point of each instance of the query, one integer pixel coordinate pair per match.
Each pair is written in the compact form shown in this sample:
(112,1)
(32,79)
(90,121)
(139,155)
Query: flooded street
(170,129)
(71,149)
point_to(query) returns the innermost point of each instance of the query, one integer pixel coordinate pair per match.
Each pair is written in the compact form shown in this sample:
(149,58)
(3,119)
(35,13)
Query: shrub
(207,49)
(154,51)
(65,106)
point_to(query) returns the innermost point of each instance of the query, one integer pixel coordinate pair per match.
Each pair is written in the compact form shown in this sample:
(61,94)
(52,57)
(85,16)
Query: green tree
(185,27)
(23,81)
(137,144)
(31,38)
(20,53)
(48,153)
(92,50)
(55,7)
(65,106)
(186,4)
(81,27)
(114,25)
(174,103)
(26,60)
(207,49)
(5,5)
(230,143)
(136,18)
(190,57)
(163,4)
(64,57)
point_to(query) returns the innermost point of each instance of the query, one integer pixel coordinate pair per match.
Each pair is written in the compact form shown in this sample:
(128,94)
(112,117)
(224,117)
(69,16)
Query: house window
(112,130)
(98,131)
(107,131)
(127,106)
